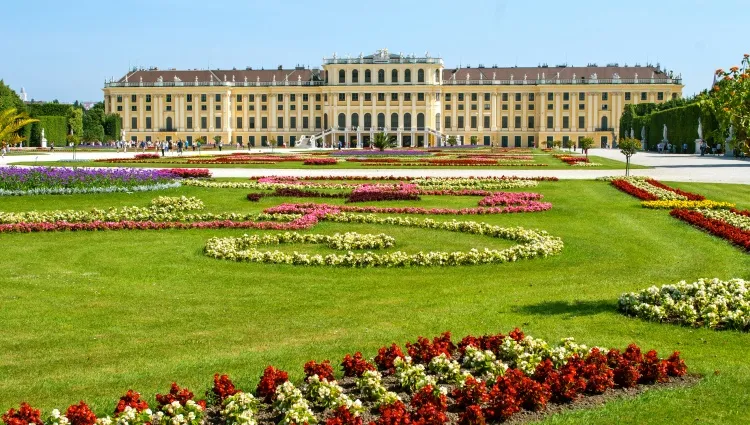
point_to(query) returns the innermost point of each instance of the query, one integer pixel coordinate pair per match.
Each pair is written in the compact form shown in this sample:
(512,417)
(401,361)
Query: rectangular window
(461,106)
(486,97)
(317,107)
(305,97)
(644,96)
(660,95)
(487,106)
(190,107)
(368,97)
(504,141)
(447,97)
(132,98)
(605,96)
(305,122)
(251,140)
(505,122)
(581,106)
(517,107)
(566,97)
(517,141)
(566,122)
(407,97)
(239,122)
(566,106)
(133,123)
(531,106)
(239,98)
(473,106)
(317,97)
(239,107)
(342,97)
(486,123)
(627,95)
(293,122)
(505,97)
(460,122)
(217,98)
(264,122)
(292,97)
(218,123)
(530,141)
(119,108)
(420,97)
(550,107)
(279,97)
(550,122)
(133,108)
(355,97)
(204,123)
(169,108)
(530,122)
(251,123)
(505,107)
(148,108)
(447,122)
(381,97)
(251,98)
(531,97)
(189,123)
(473,122)
(263,98)
(119,98)
(550,97)
(518,97)
(148,123)
(517,122)
(460,97)
(473,97)
(148,98)
(204,108)
(318,122)
(169,98)
(280,107)
(305,107)
(279,122)
(292,107)
(581,97)
(203,98)
(263,107)
(581,122)
(394,97)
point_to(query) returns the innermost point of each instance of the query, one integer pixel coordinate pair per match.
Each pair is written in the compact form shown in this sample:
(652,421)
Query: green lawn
(550,163)
(89,315)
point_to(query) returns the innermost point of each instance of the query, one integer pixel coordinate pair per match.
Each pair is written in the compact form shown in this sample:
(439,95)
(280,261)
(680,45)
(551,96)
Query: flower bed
(189,173)
(711,303)
(687,205)
(320,161)
(147,156)
(514,205)
(379,153)
(715,225)
(572,160)
(531,243)
(384,192)
(49,180)
(651,190)
(489,378)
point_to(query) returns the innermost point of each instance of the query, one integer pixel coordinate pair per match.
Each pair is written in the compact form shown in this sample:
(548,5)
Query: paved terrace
(666,167)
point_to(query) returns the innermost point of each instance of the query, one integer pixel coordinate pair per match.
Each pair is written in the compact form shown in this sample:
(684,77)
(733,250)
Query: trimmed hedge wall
(48,109)
(681,121)
(55,130)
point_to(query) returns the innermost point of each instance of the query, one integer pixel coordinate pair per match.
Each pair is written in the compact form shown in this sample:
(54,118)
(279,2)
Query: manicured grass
(89,315)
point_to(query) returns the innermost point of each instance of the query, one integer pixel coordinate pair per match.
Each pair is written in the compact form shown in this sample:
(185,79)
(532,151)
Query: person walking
(162,146)
(179,147)
(4,147)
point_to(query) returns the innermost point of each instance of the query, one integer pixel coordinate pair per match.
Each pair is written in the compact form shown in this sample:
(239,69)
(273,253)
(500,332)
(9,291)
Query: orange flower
(734,68)
(728,77)
(716,88)
(747,55)
(719,71)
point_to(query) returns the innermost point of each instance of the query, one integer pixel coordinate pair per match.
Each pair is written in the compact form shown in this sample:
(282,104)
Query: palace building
(416,99)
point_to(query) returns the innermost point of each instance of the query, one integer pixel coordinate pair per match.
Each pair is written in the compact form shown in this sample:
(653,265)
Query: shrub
(131,399)
(320,161)
(254,197)
(626,374)
(544,370)
(342,416)
(473,392)
(633,354)
(25,415)
(324,370)
(393,414)
(386,356)
(356,365)
(517,335)
(80,414)
(271,379)
(223,388)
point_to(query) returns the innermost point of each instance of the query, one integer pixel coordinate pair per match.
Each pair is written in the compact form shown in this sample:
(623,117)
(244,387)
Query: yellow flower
(689,205)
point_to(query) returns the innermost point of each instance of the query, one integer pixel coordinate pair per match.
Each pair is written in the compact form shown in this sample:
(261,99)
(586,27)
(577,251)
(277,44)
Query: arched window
(381,76)
(407,76)
(420,76)
(355,120)
(325,121)
(368,76)
(407,121)
(604,123)
(437,121)
(169,123)
(420,121)
(368,121)
(355,76)
(342,121)
(381,120)
(342,76)
(394,76)
(394,121)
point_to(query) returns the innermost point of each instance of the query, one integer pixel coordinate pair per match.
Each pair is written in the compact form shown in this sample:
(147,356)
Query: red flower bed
(254,197)
(131,399)
(423,350)
(719,228)
(301,193)
(386,356)
(688,195)
(271,379)
(355,365)
(342,416)
(382,192)
(324,370)
(189,173)
(570,160)
(25,415)
(147,156)
(223,388)
(181,395)
(80,414)
(746,213)
(634,191)
(320,161)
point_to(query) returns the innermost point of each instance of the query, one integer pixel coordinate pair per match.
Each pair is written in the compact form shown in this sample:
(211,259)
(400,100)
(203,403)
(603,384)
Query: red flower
(652,369)
(271,379)
(531,394)
(633,354)
(626,374)
(675,365)
(342,416)
(517,335)
(386,356)
(472,416)
(181,395)
(393,414)
(324,370)
(635,191)
(223,388)
(80,414)
(25,415)
(502,400)
(131,399)
(716,227)
(423,350)
(472,393)
(356,365)
(430,407)
(688,195)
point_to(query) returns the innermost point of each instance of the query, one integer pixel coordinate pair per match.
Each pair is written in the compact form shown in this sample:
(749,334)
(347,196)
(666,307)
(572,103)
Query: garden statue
(664,134)
(632,133)
(700,129)
(44,139)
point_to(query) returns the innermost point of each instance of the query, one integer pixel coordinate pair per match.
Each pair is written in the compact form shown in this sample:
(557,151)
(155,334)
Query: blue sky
(65,50)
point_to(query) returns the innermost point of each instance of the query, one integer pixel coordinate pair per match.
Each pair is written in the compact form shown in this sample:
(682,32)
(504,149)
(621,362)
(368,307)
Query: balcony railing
(553,81)
(212,83)
(604,129)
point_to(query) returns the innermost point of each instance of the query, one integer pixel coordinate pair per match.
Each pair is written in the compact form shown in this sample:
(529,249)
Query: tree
(75,122)
(382,141)
(451,141)
(629,147)
(586,143)
(729,101)
(217,139)
(10,99)
(473,140)
(11,122)
(557,144)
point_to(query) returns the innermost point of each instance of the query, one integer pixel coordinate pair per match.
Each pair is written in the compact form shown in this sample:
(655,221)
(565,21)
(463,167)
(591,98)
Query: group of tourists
(714,150)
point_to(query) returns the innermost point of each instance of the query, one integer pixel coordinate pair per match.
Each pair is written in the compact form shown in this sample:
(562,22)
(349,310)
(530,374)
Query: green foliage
(383,141)
(75,122)
(55,130)
(112,125)
(629,147)
(9,99)
(557,143)
(451,141)
(11,123)
(730,101)
(586,143)
(49,109)
(473,140)
(217,139)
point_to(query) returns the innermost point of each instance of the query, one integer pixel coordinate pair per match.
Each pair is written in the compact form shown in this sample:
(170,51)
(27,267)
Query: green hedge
(55,130)
(112,127)
(48,109)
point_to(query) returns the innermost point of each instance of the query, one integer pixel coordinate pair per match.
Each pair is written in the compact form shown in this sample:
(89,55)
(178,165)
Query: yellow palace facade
(415,99)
